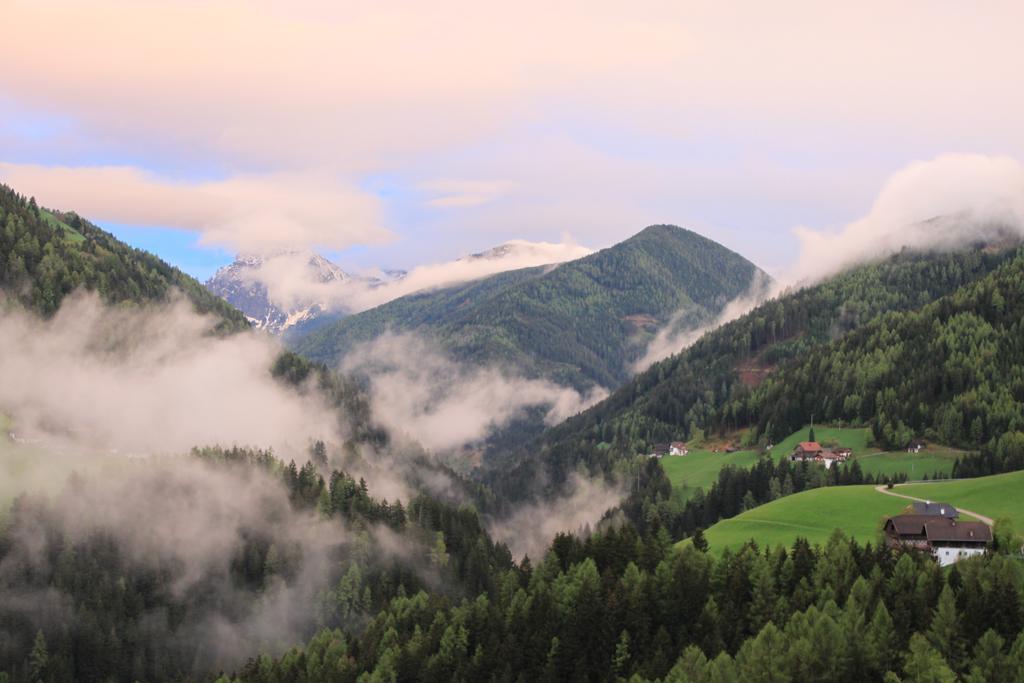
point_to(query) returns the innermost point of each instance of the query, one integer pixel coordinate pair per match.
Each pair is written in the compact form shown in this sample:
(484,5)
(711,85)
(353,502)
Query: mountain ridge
(702,390)
(47,254)
(580,323)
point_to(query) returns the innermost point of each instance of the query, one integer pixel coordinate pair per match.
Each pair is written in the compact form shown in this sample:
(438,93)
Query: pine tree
(692,667)
(39,660)
(878,641)
(620,660)
(944,632)
(925,664)
(699,541)
(990,662)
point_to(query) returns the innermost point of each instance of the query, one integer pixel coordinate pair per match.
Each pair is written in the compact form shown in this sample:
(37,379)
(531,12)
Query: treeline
(698,392)
(652,505)
(618,606)
(1004,453)
(82,603)
(45,255)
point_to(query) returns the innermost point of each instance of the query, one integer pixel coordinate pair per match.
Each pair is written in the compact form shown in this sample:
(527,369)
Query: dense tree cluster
(619,606)
(1004,453)
(950,371)
(46,255)
(86,606)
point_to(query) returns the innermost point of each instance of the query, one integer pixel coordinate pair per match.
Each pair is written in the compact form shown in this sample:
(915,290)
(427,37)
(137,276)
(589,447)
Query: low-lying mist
(531,527)
(147,380)
(419,393)
(674,337)
(215,562)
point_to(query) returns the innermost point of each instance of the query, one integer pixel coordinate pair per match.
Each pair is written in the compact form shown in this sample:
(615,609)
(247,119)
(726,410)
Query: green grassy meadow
(700,468)
(814,515)
(998,496)
(858,510)
(916,465)
(69,232)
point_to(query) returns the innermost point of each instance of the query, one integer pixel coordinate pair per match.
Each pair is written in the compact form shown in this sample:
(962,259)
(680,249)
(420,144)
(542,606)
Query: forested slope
(787,339)
(952,371)
(618,607)
(579,323)
(46,255)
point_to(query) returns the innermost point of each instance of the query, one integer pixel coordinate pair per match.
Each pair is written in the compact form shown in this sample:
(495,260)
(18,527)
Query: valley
(352,342)
(340,464)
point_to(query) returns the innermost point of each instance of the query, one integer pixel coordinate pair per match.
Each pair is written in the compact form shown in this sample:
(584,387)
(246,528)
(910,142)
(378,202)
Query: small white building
(678,448)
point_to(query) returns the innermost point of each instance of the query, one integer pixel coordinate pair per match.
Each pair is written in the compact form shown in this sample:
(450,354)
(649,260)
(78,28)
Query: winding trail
(888,492)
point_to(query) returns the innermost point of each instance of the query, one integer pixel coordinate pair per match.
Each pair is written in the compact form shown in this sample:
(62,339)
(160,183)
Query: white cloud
(462,193)
(243,213)
(291,283)
(942,204)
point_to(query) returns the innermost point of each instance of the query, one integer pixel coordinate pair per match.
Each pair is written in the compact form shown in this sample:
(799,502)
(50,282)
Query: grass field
(916,465)
(700,468)
(847,437)
(858,510)
(814,515)
(69,232)
(1001,495)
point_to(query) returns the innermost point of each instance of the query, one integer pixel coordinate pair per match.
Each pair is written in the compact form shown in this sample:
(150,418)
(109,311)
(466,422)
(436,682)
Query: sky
(396,134)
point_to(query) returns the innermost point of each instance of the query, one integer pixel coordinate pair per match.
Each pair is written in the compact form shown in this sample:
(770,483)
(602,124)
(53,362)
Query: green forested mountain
(579,323)
(45,255)
(952,371)
(719,384)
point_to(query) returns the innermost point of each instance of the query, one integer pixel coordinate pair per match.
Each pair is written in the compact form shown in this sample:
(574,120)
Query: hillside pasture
(699,469)
(915,465)
(70,233)
(814,515)
(997,496)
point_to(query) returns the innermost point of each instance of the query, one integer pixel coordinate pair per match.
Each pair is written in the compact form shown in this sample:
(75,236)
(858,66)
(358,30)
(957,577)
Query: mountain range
(246,285)
(922,344)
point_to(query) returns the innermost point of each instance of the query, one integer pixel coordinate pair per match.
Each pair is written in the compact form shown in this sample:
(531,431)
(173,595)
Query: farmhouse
(806,450)
(915,446)
(837,455)
(678,448)
(947,540)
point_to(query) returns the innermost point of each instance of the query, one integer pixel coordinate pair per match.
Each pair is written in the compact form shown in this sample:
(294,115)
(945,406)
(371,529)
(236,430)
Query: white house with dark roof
(946,539)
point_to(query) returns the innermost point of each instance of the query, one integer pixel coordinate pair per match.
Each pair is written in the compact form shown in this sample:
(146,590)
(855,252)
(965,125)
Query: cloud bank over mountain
(943,204)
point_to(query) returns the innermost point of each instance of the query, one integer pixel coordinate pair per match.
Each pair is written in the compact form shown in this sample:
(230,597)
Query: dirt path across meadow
(889,492)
